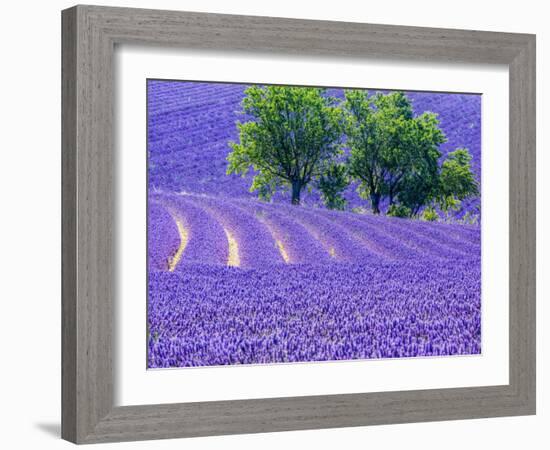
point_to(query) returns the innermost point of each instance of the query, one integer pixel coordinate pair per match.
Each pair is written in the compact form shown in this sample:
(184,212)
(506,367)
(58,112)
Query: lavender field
(190,125)
(236,280)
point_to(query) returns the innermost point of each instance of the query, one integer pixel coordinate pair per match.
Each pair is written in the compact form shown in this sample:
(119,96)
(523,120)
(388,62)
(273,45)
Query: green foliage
(332,184)
(420,182)
(448,203)
(399,211)
(392,153)
(456,180)
(294,136)
(430,214)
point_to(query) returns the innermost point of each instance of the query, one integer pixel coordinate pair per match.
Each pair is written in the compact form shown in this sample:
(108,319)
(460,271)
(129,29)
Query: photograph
(275,225)
(294,224)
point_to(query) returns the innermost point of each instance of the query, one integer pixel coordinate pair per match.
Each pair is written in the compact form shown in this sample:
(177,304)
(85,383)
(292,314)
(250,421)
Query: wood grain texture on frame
(88,199)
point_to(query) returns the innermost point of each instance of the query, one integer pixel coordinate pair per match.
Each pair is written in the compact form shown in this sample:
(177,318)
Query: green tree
(421,183)
(398,211)
(456,180)
(392,153)
(332,184)
(430,214)
(293,136)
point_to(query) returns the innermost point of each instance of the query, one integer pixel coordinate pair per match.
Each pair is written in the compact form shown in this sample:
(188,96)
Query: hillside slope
(190,125)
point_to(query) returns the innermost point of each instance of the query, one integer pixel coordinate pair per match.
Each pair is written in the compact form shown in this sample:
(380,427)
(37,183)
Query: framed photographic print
(268,222)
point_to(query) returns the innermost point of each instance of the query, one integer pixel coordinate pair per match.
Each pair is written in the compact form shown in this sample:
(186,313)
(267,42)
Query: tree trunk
(296,189)
(375,201)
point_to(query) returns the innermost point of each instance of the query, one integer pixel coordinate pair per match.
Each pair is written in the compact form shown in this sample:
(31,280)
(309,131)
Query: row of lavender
(190,125)
(206,230)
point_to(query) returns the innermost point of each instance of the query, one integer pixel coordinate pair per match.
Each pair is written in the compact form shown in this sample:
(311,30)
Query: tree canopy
(392,153)
(456,181)
(332,184)
(293,136)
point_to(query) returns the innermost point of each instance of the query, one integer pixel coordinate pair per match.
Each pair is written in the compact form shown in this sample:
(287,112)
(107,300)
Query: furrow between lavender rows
(163,239)
(295,242)
(378,238)
(354,237)
(253,234)
(458,236)
(404,233)
(434,241)
(340,243)
(206,240)
(248,237)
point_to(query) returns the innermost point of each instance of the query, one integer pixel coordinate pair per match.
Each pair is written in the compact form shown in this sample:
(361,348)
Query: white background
(30,225)
(134,385)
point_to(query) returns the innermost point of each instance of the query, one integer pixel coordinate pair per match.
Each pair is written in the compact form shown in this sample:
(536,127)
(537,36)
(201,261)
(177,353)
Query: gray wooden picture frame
(89,37)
